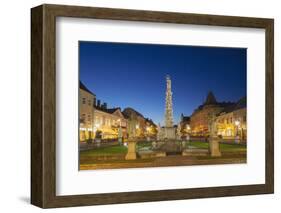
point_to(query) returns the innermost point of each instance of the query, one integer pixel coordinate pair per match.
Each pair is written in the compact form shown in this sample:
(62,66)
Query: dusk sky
(133,75)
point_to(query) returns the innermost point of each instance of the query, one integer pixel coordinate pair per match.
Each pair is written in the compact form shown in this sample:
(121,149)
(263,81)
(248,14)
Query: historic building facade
(185,128)
(199,119)
(232,121)
(151,129)
(230,118)
(140,121)
(145,128)
(97,121)
(109,122)
(86,116)
(95,117)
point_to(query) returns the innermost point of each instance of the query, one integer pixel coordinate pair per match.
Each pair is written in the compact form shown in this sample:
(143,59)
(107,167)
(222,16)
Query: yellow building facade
(199,120)
(109,122)
(86,113)
(185,128)
(232,124)
(144,127)
(97,122)
(231,118)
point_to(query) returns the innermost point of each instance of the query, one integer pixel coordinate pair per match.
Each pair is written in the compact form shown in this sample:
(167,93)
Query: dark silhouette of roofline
(108,110)
(83,87)
(211,99)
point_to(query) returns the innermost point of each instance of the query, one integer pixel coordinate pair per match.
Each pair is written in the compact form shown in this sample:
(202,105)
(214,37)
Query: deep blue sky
(133,75)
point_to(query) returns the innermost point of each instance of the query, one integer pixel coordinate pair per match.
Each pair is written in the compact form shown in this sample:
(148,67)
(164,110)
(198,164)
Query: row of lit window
(230,120)
(105,121)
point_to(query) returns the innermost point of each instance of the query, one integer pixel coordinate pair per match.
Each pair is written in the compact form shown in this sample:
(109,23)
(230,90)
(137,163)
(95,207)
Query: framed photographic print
(137,106)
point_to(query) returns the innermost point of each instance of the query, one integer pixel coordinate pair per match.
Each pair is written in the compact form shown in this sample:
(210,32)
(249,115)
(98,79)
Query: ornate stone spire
(210,99)
(169,104)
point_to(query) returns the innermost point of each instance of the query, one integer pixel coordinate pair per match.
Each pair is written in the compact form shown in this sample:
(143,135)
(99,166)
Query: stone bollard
(131,155)
(214,147)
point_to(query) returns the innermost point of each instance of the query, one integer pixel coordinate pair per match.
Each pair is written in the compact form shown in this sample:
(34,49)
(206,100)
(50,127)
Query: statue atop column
(214,146)
(132,126)
(132,123)
(212,127)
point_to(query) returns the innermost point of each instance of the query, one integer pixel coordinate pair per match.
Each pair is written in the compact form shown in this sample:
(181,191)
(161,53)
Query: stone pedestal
(170,147)
(214,147)
(131,155)
(168,133)
(195,152)
(151,154)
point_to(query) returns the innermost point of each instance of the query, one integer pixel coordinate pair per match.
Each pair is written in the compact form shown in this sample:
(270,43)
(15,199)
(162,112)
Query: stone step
(195,152)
